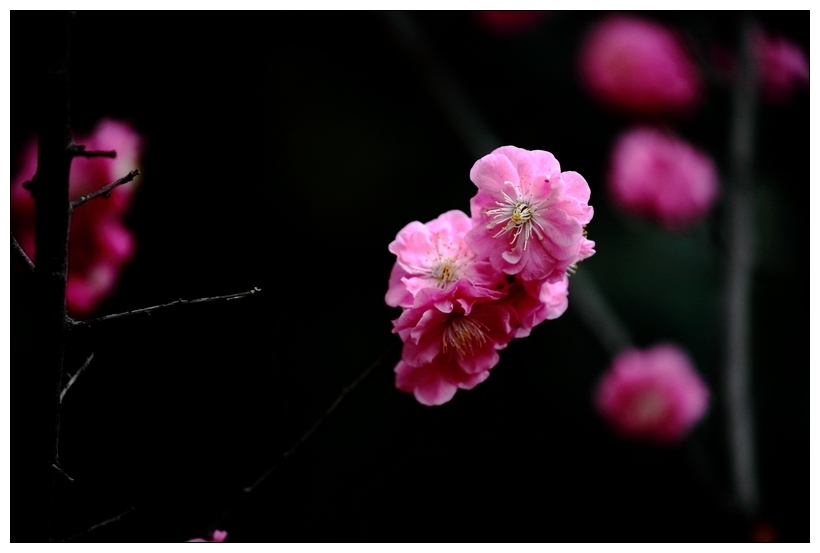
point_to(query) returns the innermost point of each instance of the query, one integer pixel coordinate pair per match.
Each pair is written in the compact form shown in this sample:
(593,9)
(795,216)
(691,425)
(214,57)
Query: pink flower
(658,175)
(654,394)
(435,254)
(533,302)
(639,66)
(451,338)
(528,216)
(509,23)
(218,536)
(782,67)
(99,243)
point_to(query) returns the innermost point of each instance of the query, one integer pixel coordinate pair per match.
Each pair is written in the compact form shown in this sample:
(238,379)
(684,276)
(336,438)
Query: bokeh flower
(782,67)
(654,394)
(99,243)
(218,536)
(528,216)
(639,66)
(509,23)
(657,175)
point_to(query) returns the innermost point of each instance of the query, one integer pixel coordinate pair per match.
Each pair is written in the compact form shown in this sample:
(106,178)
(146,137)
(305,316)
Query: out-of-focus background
(285,150)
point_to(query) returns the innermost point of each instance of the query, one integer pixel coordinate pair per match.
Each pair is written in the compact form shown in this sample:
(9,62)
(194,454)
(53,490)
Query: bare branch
(78,150)
(285,456)
(62,472)
(149,310)
(105,190)
(76,375)
(15,245)
(100,525)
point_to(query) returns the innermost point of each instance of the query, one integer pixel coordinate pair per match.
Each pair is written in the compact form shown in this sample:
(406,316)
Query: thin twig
(100,525)
(15,245)
(78,150)
(105,190)
(148,310)
(476,135)
(76,375)
(346,390)
(248,490)
(738,282)
(62,472)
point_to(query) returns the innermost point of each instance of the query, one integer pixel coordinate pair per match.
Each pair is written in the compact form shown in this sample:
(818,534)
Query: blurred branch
(592,307)
(740,237)
(76,375)
(100,525)
(456,105)
(78,150)
(474,132)
(149,310)
(18,250)
(289,453)
(105,190)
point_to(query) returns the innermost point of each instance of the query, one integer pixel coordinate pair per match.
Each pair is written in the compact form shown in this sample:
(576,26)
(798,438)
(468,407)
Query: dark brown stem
(42,379)
(62,473)
(21,254)
(78,150)
(149,310)
(105,190)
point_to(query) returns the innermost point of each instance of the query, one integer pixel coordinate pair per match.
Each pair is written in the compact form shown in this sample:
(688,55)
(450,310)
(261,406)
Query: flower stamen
(464,334)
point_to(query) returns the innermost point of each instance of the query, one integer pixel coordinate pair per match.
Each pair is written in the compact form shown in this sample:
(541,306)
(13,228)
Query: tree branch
(21,254)
(149,310)
(61,472)
(100,525)
(105,190)
(78,150)
(76,375)
(738,283)
(248,490)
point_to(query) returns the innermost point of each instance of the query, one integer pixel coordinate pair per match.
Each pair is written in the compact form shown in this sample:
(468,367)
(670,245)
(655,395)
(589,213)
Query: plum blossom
(533,302)
(658,175)
(99,244)
(434,254)
(782,67)
(639,66)
(218,536)
(654,394)
(528,216)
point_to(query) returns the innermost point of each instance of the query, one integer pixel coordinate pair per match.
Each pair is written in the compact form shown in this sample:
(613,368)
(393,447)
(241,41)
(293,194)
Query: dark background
(285,150)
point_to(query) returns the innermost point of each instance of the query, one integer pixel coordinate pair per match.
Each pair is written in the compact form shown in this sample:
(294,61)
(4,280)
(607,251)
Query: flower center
(445,271)
(464,334)
(518,216)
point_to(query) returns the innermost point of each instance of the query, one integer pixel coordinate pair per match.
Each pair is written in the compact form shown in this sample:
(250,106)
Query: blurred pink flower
(654,394)
(782,67)
(435,254)
(658,175)
(528,216)
(639,66)
(509,23)
(218,536)
(99,243)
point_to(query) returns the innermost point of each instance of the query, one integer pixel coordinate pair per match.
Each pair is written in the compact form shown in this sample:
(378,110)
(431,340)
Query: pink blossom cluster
(655,174)
(99,244)
(640,67)
(218,536)
(654,394)
(468,285)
